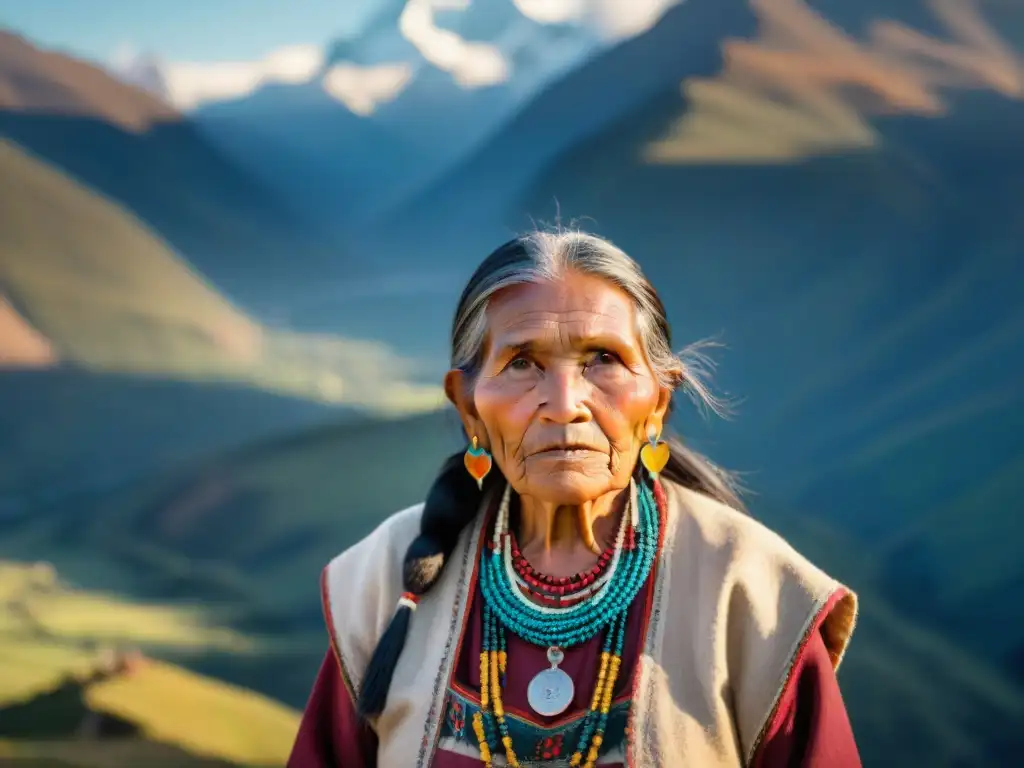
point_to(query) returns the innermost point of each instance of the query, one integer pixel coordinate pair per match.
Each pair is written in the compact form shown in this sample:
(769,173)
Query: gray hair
(544,256)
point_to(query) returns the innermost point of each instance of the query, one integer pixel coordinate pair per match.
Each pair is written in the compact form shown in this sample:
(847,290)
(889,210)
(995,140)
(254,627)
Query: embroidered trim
(459,618)
(535,744)
(456,688)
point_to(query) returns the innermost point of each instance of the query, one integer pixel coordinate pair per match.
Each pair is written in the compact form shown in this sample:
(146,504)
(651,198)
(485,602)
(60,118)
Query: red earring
(478,462)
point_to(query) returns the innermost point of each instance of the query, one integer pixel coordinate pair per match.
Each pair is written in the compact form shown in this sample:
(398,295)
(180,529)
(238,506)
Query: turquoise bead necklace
(505,609)
(564,628)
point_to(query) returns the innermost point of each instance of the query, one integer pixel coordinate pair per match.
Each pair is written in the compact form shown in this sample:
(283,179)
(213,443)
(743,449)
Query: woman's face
(565,394)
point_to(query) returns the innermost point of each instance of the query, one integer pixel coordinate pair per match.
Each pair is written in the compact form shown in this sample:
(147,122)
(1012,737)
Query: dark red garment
(810,728)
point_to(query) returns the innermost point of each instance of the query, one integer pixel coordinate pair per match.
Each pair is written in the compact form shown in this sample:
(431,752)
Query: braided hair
(455,498)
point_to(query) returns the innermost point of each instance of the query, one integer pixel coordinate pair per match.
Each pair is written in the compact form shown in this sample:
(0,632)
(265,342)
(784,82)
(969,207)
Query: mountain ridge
(583,101)
(407,139)
(124,143)
(34,80)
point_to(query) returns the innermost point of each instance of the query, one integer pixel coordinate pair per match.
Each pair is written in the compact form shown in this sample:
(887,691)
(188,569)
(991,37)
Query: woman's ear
(660,412)
(458,392)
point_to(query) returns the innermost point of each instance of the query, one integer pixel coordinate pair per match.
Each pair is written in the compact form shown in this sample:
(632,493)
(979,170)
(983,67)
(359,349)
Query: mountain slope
(93,288)
(310,148)
(125,144)
(91,278)
(21,345)
(174,534)
(38,81)
(111,297)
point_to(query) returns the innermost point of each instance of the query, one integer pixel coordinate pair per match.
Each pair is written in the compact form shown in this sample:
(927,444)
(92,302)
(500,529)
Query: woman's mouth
(566,452)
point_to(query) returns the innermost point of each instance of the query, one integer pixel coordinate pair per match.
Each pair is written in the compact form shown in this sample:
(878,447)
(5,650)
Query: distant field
(54,638)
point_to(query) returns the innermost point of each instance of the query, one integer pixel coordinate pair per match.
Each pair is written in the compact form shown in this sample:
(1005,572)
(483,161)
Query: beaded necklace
(559,591)
(506,608)
(524,569)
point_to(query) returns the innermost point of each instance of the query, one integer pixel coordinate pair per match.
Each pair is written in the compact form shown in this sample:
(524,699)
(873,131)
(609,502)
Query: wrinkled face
(565,394)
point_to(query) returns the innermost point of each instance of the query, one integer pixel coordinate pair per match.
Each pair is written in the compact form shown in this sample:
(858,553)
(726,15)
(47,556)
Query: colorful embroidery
(456,719)
(536,743)
(548,748)
(470,545)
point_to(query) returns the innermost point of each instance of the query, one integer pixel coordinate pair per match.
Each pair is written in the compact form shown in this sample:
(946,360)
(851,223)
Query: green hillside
(107,292)
(59,678)
(110,296)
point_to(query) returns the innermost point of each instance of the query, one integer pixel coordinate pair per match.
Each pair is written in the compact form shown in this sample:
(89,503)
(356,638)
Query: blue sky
(198,30)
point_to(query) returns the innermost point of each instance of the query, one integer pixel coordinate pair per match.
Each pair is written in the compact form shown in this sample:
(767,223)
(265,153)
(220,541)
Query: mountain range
(828,190)
(341,160)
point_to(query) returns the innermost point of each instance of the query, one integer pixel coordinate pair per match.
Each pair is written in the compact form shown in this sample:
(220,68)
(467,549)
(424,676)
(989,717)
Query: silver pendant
(551,691)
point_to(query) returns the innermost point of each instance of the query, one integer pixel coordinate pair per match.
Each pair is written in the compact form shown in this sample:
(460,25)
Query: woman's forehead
(574,309)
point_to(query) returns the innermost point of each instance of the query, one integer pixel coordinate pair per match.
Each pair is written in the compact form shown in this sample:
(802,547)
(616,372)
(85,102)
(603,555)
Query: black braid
(452,503)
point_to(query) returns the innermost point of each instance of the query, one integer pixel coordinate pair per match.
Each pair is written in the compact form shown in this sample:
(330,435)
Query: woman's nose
(565,395)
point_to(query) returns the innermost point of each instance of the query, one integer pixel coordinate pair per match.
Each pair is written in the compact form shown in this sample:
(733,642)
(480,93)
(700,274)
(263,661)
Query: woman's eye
(519,364)
(604,357)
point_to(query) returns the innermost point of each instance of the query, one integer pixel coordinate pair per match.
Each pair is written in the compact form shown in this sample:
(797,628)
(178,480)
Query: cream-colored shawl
(733,605)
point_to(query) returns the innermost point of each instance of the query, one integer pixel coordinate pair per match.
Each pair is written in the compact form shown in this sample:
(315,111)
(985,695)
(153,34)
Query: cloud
(188,84)
(552,11)
(613,19)
(471,64)
(363,89)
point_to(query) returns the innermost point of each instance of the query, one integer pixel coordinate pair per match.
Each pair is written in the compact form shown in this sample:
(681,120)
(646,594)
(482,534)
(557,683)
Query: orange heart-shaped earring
(655,454)
(478,462)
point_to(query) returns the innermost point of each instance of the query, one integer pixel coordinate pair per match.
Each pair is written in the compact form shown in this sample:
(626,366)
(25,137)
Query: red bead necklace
(558,590)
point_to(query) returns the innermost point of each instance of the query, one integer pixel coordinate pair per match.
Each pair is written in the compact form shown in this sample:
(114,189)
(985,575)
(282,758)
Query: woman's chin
(567,487)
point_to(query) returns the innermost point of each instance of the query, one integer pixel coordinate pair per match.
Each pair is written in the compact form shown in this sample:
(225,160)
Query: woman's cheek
(627,394)
(500,404)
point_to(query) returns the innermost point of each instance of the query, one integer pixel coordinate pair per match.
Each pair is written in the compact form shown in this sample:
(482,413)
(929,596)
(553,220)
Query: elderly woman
(578,589)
